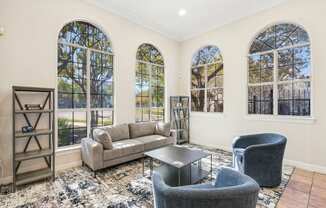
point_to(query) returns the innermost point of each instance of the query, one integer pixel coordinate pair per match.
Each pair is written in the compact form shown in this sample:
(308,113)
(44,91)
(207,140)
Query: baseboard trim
(212,146)
(69,165)
(6,180)
(306,166)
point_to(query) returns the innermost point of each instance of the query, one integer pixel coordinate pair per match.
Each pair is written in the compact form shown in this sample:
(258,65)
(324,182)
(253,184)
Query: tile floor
(305,190)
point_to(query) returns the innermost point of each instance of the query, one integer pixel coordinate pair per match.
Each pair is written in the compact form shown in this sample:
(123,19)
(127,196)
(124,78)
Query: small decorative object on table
(33,106)
(26,129)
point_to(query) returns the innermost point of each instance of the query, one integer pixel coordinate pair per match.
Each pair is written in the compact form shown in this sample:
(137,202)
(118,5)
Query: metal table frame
(199,162)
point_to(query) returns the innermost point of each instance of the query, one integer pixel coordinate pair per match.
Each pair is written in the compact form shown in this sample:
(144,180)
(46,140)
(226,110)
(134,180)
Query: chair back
(231,189)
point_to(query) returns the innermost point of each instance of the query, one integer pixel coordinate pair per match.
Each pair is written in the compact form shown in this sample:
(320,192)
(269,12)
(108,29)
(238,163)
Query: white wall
(28,57)
(306,138)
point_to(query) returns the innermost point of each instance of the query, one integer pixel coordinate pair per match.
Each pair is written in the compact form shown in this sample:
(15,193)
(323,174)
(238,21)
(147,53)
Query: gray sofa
(231,190)
(260,156)
(129,142)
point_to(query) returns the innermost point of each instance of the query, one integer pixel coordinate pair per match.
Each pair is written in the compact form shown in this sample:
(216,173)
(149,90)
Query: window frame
(149,66)
(88,109)
(275,116)
(206,89)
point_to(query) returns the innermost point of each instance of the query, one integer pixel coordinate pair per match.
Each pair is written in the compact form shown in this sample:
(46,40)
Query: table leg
(151,167)
(190,181)
(143,160)
(179,177)
(211,167)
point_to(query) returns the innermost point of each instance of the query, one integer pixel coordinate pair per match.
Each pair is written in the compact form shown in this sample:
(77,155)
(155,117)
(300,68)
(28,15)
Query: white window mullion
(88,93)
(149,63)
(206,85)
(280,49)
(85,69)
(262,83)
(275,87)
(149,67)
(204,65)
(301,44)
(113,88)
(206,88)
(83,47)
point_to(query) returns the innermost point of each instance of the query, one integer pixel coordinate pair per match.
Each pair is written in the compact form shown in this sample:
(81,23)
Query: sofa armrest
(92,153)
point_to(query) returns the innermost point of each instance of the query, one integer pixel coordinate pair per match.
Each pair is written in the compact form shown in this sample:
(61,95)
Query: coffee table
(180,166)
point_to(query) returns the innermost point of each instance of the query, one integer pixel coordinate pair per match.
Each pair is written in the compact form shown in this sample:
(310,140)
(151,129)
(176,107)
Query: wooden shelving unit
(31,176)
(33,111)
(48,152)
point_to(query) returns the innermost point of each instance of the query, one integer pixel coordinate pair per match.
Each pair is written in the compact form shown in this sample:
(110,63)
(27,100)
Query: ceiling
(202,15)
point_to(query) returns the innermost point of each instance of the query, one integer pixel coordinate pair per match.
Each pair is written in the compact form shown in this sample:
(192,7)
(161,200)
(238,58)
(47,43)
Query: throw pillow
(163,129)
(141,129)
(103,137)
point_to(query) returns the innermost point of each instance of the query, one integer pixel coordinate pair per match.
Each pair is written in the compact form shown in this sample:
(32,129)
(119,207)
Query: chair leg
(94,173)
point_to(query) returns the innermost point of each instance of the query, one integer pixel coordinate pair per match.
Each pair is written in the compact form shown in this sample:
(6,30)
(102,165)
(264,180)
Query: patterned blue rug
(122,186)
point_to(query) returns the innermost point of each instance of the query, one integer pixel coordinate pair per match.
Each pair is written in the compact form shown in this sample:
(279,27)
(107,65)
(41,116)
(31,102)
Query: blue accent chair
(230,190)
(260,156)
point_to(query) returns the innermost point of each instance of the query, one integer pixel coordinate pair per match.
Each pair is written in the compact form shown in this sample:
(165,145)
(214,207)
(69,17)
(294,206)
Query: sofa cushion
(163,129)
(117,132)
(153,141)
(141,129)
(123,148)
(103,137)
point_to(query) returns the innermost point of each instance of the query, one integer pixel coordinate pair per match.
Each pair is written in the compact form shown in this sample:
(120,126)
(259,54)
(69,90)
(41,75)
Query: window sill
(285,119)
(208,114)
(70,148)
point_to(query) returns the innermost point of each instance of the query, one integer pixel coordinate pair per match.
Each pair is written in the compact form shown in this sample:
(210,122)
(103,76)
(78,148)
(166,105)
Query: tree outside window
(279,80)
(84,81)
(207,80)
(150,96)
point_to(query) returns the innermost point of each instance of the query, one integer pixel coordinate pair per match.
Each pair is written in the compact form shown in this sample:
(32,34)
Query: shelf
(22,117)
(180,117)
(34,111)
(32,89)
(28,177)
(33,154)
(37,132)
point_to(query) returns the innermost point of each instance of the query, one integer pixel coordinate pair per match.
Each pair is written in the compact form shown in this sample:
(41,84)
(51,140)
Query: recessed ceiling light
(182,12)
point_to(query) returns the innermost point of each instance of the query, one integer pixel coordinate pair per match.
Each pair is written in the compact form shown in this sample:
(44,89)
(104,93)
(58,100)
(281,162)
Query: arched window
(207,80)
(279,80)
(84,81)
(149,84)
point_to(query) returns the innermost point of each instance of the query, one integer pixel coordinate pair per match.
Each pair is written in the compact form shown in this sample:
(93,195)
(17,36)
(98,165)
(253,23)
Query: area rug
(122,186)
